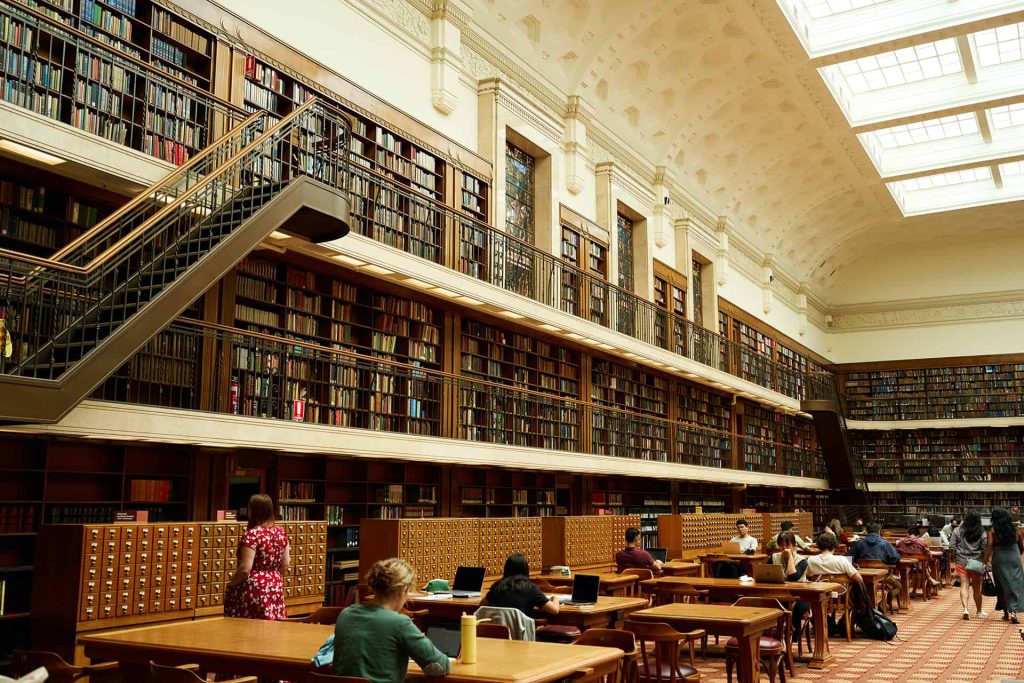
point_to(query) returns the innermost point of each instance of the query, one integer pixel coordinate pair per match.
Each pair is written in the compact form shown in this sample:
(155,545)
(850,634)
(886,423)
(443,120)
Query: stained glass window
(698,292)
(625,236)
(519,205)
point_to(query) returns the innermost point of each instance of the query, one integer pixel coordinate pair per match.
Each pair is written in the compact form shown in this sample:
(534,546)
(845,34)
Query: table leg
(821,655)
(905,589)
(747,657)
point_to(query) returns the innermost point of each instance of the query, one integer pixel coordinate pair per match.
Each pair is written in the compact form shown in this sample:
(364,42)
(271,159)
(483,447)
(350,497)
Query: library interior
(511,341)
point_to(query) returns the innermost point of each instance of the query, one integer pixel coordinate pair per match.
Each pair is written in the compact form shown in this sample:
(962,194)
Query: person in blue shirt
(874,547)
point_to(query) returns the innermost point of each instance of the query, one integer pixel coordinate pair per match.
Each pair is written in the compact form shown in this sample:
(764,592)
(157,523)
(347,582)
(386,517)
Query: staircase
(845,468)
(76,317)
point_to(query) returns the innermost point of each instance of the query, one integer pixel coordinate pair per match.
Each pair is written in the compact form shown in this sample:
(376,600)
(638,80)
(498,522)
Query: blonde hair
(388,577)
(261,510)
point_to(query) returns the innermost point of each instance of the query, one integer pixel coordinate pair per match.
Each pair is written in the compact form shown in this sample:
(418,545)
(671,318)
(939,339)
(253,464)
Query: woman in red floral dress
(256,591)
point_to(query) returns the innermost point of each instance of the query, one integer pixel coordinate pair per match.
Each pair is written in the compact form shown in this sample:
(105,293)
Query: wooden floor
(935,645)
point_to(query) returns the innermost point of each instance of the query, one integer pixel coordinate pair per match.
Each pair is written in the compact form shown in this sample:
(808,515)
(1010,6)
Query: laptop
(731,548)
(447,640)
(468,582)
(660,554)
(585,588)
(769,573)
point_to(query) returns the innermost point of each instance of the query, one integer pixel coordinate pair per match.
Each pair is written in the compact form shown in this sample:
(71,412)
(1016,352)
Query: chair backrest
(872,564)
(351,596)
(172,674)
(562,590)
(726,569)
(489,630)
(314,677)
(609,637)
(323,615)
(641,574)
(678,592)
(661,661)
(27,661)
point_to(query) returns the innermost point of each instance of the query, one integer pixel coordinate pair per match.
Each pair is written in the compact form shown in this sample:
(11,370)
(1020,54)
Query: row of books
(110,22)
(166,51)
(26,68)
(165,23)
(166,149)
(150,490)
(12,225)
(17,519)
(298,491)
(100,124)
(23,95)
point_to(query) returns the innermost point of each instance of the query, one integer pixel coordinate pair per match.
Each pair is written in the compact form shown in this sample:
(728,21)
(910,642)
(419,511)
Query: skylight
(899,67)
(1000,45)
(1007,116)
(1013,168)
(928,131)
(819,9)
(927,182)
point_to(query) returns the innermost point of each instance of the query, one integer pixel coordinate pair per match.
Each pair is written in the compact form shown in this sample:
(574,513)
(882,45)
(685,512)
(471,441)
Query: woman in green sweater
(373,640)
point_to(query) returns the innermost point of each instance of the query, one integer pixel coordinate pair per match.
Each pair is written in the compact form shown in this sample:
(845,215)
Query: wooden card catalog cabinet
(585,541)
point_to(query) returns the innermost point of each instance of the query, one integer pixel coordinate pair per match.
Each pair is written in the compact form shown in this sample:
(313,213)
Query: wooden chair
(659,663)
(323,615)
(159,673)
(493,631)
(839,606)
(788,601)
(885,590)
(624,640)
(330,678)
(773,648)
(27,661)
(668,593)
(562,590)
(641,575)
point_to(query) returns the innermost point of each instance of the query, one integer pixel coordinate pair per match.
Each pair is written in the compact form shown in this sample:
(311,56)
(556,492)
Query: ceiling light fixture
(344,258)
(27,152)
(373,268)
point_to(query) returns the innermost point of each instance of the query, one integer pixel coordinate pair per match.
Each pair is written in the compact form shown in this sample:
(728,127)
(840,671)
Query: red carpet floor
(936,645)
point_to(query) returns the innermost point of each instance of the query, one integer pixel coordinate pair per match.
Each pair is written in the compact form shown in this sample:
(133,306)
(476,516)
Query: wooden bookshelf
(482,492)
(712,413)
(892,506)
(645,499)
(778,443)
(670,296)
(506,358)
(759,450)
(639,395)
(307,305)
(942,455)
(986,390)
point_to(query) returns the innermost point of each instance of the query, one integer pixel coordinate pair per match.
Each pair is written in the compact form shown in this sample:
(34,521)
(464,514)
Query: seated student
(748,544)
(874,547)
(773,542)
(635,557)
(795,568)
(827,562)
(514,589)
(373,640)
(858,526)
(912,547)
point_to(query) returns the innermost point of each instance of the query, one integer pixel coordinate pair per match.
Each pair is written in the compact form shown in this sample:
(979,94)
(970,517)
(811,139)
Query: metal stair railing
(58,311)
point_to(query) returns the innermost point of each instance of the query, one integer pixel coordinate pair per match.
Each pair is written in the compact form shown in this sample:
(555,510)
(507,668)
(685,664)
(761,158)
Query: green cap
(437,585)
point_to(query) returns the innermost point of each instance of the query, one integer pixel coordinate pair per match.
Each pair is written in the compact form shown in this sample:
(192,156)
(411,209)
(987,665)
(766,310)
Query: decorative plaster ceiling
(724,93)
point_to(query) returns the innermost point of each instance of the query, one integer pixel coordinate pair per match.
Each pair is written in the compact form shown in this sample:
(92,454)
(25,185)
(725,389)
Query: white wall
(968,338)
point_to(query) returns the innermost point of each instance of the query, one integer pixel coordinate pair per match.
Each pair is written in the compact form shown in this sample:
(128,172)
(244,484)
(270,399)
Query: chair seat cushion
(765,643)
(560,630)
(666,672)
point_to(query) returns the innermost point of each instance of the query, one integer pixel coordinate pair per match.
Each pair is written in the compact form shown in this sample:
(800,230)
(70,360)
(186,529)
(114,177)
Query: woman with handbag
(1005,547)
(968,544)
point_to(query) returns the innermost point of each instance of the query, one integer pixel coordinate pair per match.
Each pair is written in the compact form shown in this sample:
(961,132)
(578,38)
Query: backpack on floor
(875,625)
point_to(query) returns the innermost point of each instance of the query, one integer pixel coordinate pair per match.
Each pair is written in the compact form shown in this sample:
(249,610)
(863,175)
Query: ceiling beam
(965,48)
(997,176)
(994,162)
(937,110)
(984,124)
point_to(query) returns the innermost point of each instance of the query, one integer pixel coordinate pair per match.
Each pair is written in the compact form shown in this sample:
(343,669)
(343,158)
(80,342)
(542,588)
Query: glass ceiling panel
(928,131)
(927,182)
(819,9)
(1013,168)
(1000,45)
(899,67)
(1007,116)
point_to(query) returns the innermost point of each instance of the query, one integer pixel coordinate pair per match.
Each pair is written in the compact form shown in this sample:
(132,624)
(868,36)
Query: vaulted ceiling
(723,92)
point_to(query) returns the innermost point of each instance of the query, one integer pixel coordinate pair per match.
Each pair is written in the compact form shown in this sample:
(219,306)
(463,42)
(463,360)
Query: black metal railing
(58,311)
(59,71)
(267,376)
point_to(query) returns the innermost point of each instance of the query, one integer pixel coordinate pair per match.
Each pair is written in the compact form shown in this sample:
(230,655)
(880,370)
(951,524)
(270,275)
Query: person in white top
(748,544)
(829,563)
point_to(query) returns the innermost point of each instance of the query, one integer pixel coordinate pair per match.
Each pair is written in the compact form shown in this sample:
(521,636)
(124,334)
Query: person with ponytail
(256,590)
(969,547)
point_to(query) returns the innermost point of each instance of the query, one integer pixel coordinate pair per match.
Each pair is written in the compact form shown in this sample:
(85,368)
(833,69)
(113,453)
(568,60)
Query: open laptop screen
(469,579)
(585,587)
(660,554)
(447,640)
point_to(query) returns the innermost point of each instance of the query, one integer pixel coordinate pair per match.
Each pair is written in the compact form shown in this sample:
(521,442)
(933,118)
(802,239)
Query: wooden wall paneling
(452,343)
(586,421)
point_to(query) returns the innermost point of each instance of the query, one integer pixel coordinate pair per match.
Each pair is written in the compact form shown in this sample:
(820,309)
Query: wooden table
(746,624)
(604,614)
(680,568)
(748,561)
(614,585)
(872,577)
(282,650)
(906,563)
(816,593)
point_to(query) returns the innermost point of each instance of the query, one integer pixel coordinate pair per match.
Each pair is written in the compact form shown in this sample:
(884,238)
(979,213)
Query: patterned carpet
(936,645)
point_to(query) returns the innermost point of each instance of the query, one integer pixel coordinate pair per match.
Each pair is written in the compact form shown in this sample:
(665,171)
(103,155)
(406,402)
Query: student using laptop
(373,640)
(635,557)
(795,568)
(514,589)
(747,543)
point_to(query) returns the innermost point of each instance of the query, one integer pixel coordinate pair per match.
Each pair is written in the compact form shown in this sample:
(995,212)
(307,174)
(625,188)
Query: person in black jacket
(874,547)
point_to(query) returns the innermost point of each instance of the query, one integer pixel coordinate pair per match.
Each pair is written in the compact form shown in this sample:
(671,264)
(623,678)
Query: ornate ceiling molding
(930,311)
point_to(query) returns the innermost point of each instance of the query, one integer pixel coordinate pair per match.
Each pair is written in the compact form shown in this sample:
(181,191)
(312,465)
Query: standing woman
(1005,547)
(969,544)
(256,591)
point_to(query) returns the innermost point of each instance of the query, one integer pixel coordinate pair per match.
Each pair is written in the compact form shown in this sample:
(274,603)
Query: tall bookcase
(759,449)
(637,429)
(778,443)
(893,506)
(711,413)
(496,356)
(84,85)
(643,498)
(272,296)
(479,492)
(942,455)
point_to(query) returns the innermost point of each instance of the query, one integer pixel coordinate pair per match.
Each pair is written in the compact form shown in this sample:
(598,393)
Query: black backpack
(875,625)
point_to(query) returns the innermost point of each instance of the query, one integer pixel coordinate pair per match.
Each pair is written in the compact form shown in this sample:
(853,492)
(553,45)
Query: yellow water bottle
(468,625)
